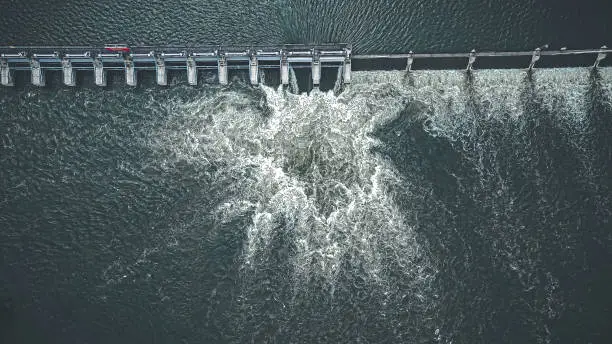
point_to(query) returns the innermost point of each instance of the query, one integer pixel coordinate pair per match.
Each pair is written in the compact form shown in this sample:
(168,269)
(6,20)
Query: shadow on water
(433,164)
(600,126)
(568,218)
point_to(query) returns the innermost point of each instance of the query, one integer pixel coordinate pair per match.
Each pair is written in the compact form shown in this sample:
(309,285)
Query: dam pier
(131,60)
(317,58)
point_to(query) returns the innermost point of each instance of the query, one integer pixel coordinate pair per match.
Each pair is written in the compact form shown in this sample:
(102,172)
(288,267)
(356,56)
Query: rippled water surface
(430,207)
(370,25)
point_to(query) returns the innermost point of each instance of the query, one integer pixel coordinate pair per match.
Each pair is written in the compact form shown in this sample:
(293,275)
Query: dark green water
(424,208)
(370,25)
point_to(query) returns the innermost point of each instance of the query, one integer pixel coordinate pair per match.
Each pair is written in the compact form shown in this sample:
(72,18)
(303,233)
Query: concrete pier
(38,75)
(160,71)
(130,73)
(68,73)
(222,69)
(534,58)
(409,61)
(253,70)
(284,68)
(99,73)
(192,72)
(6,74)
(346,67)
(316,70)
(471,60)
(602,55)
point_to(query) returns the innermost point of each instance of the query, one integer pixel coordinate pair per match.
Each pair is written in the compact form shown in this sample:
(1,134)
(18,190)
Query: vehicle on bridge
(117,48)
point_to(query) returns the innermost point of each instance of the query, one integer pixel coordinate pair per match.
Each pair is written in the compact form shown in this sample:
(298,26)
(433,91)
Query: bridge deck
(37,59)
(480,54)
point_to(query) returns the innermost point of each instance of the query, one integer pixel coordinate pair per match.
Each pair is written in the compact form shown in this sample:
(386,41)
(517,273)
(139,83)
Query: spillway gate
(253,59)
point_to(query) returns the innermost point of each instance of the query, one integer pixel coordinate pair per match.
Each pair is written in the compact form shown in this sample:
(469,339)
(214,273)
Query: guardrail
(473,55)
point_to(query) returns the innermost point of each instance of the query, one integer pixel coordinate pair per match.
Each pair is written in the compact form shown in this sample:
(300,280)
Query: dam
(318,58)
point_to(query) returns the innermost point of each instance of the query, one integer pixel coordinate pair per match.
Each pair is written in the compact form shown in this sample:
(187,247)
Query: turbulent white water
(302,166)
(498,94)
(305,168)
(407,208)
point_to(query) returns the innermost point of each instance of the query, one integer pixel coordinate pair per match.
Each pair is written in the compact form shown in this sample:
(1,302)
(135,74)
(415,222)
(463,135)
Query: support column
(130,72)
(346,67)
(600,57)
(284,68)
(99,73)
(6,74)
(346,71)
(410,61)
(160,71)
(534,58)
(68,73)
(253,70)
(222,67)
(38,75)
(192,72)
(471,60)
(316,69)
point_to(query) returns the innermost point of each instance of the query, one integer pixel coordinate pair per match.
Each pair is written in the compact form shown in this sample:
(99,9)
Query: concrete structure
(68,73)
(99,72)
(38,74)
(192,71)
(318,58)
(6,74)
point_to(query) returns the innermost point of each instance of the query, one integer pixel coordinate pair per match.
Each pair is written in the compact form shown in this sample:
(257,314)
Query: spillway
(319,59)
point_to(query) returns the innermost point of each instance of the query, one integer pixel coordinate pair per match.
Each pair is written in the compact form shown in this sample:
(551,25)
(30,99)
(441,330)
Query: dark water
(370,25)
(425,208)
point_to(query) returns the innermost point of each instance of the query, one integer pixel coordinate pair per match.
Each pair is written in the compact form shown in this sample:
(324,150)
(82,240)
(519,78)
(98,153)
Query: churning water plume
(303,167)
(430,206)
(399,186)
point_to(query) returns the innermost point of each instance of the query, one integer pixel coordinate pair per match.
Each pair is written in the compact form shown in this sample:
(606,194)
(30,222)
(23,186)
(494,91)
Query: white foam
(306,169)
(306,165)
